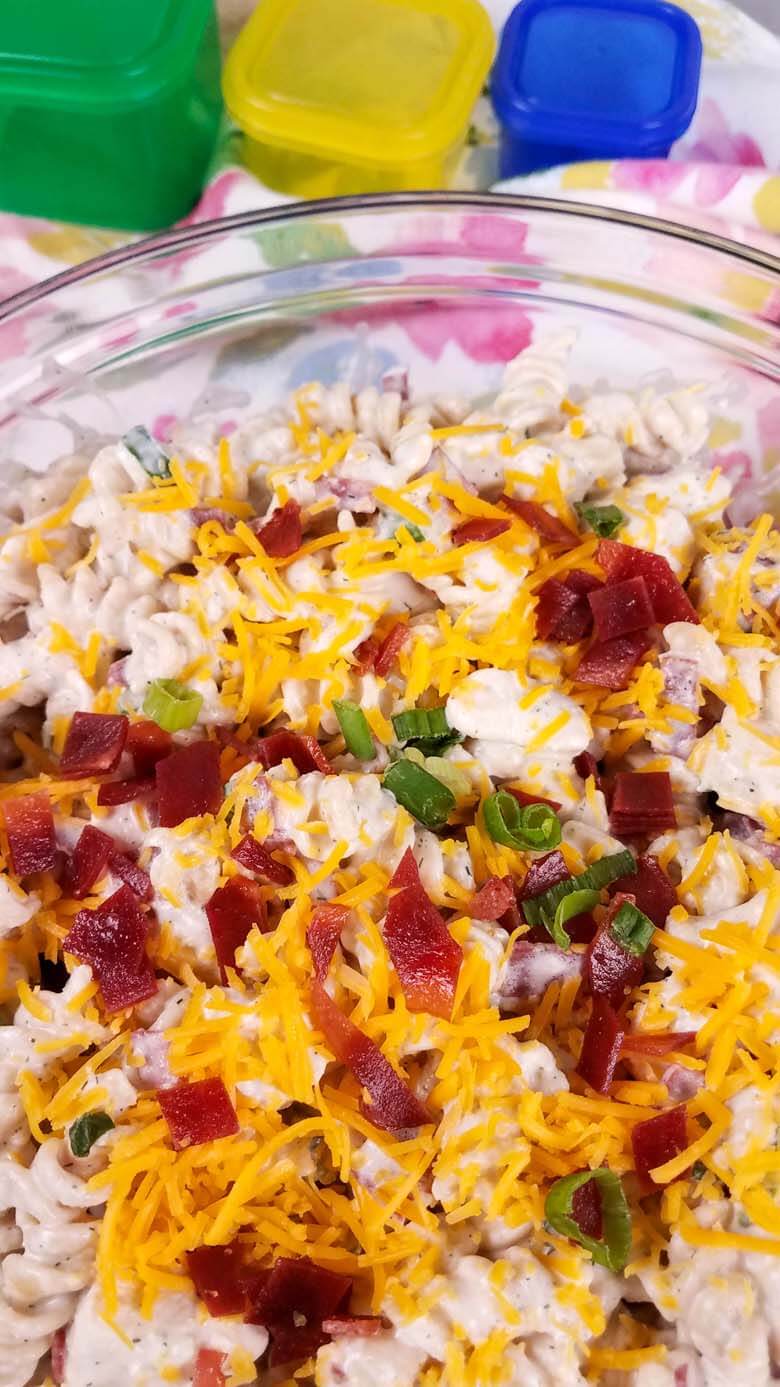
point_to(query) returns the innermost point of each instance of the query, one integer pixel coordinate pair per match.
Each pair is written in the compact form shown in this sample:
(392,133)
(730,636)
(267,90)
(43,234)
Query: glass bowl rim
(183,237)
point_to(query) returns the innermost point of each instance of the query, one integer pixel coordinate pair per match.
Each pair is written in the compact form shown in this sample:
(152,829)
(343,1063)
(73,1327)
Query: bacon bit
(281,536)
(323,934)
(656,1043)
(355,1326)
(232,911)
(668,597)
(58,1350)
(586,765)
(132,875)
(525,797)
(258,859)
(642,802)
(580,581)
(147,744)
(388,651)
(407,873)
(539,519)
(479,531)
(216,1272)
(112,940)
(365,655)
(600,1046)
(657,1141)
(651,888)
(293,1302)
(610,969)
(493,900)
(208,1369)
(562,614)
(305,752)
(609,665)
(543,873)
(198,1112)
(425,956)
(189,783)
(586,1210)
(29,824)
(124,791)
(293,1345)
(621,608)
(89,861)
(393,1106)
(531,967)
(94,744)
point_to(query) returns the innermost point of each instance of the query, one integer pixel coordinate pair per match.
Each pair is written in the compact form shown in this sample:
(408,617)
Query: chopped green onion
(146,450)
(355,729)
(414,530)
(86,1130)
(574,904)
(603,520)
(446,771)
(430,802)
(428,723)
(434,746)
(528,827)
(172,705)
(632,929)
(540,910)
(698,1170)
(612,1249)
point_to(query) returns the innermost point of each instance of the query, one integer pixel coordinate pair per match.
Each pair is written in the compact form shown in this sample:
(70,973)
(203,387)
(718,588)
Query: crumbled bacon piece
(586,1210)
(258,859)
(189,783)
(293,1302)
(388,651)
(114,792)
(425,956)
(198,1112)
(621,608)
(479,530)
(323,934)
(657,1141)
(612,970)
(610,664)
(132,875)
(526,797)
(642,802)
(147,744)
(586,765)
(89,861)
(407,873)
(601,1046)
(654,1044)
(668,597)
(543,873)
(208,1368)
(537,518)
(651,888)
(112,940)
(29,824)
(493,900)
(305,752)
(217,1274)
(281,536)
(58,1352)
(93,745)
(232,911)
(562,613)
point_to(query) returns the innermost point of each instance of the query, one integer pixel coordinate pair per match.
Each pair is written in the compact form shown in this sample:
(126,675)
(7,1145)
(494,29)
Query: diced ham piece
(642,802)
(681,690)
(208,1368)
(750,833)
(493,900)
(562,614)
(216,1272)
(125,791)
(198,1112)
(147,744)
(112,940)
(600,1046)
(258,859)
(281,536)
(537,518)
(29,824)
(393,1106)
(232,911)
(354,1326)
(323,935)
(189,783)
(425,956)
(479,530)
(621,608)
(305,752)
(89,861)
(132,875)
(657,1141)
(93,745)
(651,888)
(610,664)
(116,675)
(656,1043)
(668,597)
(531,967)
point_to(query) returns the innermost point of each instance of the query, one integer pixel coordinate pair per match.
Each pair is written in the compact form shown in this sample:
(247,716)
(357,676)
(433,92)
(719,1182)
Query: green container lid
(109,109)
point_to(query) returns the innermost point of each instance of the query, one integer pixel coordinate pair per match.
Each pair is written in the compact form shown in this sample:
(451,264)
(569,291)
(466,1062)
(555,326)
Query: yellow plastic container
(352,96)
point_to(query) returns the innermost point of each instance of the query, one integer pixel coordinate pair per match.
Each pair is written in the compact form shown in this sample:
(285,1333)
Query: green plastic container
(109,109)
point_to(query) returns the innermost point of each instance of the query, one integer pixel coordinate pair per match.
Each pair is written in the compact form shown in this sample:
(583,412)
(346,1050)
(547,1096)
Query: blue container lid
(615,77)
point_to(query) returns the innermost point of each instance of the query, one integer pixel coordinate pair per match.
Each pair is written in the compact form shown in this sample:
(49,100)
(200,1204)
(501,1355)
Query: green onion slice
(146,450)
(612,1249)
(172,705)
(86,1130)
(441,769)
(355,729)
(428,723)
(430,802)
(414,530)
(605,521)
(527,827)
(632,929)
(540,910)
(574,904)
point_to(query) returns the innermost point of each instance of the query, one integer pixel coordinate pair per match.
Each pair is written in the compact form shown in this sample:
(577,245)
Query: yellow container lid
(363,81)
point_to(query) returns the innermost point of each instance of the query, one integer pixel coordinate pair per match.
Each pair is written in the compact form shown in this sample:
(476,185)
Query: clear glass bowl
(221,317)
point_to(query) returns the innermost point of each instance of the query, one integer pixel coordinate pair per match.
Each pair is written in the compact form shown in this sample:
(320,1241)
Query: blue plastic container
(594,79)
